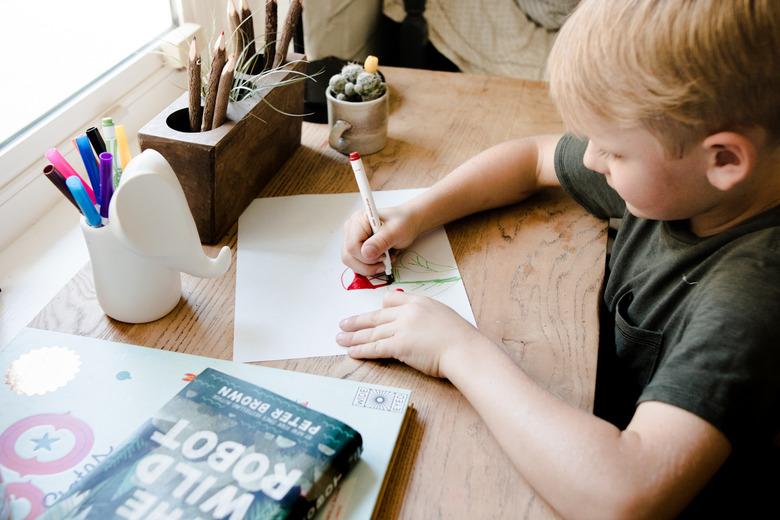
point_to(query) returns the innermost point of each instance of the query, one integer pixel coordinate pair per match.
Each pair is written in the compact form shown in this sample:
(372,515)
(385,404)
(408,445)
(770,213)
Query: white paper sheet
(291,285)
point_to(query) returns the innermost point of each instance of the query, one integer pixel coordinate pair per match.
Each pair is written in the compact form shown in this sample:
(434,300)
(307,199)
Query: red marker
(368,202)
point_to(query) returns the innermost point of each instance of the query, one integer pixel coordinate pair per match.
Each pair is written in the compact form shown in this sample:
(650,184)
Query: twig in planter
(234,22)
(287,32)
(217,62)
(247,24)
(270,34)
(193,72)
(223,94)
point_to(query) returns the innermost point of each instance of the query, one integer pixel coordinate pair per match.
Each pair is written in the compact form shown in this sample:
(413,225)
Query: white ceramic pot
(129,287)
(358,126)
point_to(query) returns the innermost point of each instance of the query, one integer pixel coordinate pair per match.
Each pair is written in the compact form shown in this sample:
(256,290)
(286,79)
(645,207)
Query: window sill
(41,246)
(37,265)
(28,195)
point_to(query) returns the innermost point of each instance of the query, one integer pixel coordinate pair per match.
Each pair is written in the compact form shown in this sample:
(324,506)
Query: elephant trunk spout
(204,267)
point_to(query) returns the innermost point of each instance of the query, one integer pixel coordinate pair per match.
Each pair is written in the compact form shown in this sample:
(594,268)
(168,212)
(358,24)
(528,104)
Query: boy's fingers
(375,247)
(394,298)
(373,350)
(364,336)
(351,249)
(367,320)
(360,267)
(356,231)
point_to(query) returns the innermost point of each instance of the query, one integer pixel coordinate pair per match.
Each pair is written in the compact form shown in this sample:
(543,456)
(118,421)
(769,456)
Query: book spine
(340,464)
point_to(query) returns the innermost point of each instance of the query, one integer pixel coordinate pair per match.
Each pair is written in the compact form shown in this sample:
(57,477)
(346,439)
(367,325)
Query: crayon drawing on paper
(292,288)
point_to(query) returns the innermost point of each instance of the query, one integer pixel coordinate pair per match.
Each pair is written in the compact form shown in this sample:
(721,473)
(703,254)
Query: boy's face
(653,185)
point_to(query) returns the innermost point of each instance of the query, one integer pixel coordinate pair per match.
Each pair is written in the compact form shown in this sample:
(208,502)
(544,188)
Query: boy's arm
(584,466)
(504,174)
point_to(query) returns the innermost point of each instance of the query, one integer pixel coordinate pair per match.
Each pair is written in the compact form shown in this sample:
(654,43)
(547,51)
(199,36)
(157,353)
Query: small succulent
(358,83)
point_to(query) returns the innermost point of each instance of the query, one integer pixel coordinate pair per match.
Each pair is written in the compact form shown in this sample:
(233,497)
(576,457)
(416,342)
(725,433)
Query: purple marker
(106,182)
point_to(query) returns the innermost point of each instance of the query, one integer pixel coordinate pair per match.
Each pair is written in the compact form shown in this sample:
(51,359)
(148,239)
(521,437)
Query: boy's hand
(419,331)
(362,252)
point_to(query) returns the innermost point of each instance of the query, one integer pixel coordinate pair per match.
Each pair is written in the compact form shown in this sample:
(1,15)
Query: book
(67,402)
(220,447)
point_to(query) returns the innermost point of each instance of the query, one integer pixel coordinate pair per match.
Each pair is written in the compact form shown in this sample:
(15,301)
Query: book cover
(220,448)
(68,402)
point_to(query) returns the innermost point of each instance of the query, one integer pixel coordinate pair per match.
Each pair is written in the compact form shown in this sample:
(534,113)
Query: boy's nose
(593,161)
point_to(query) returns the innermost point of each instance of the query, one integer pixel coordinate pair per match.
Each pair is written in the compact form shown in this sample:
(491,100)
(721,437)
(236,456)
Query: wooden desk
(532,273)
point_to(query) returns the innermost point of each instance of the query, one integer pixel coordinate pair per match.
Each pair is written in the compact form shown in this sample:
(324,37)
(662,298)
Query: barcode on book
(385,400)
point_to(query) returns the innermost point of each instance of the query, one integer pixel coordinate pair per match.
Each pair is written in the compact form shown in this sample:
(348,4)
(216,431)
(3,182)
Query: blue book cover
(221,448)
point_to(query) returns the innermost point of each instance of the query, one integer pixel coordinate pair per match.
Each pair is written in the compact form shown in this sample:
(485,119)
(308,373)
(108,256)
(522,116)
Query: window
(60,48)
(66,65)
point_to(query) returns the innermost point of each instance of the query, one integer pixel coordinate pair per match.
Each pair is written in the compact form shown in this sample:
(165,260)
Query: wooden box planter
(222,170)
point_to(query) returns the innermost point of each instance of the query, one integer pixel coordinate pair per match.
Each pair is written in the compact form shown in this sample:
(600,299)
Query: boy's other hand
(362,251)
(417,330)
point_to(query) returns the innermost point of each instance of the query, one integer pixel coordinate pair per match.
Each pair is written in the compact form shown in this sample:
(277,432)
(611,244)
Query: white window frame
(141,86)
(24,194)
(21,153)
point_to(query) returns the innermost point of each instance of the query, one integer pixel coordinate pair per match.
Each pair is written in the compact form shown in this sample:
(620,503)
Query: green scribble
(434,281)
(413,261)
(416,263)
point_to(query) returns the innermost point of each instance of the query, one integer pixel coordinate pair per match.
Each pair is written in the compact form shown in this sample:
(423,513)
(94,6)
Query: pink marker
(59,162)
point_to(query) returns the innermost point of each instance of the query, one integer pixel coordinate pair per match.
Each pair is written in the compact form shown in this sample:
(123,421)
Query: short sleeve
(588,188)
(725,366)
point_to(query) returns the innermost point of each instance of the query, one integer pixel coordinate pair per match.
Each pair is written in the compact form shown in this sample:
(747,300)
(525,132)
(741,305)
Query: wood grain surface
(532,272)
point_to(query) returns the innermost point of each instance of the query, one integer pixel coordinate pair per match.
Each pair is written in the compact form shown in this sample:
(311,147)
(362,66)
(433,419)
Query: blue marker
(76,188)
(85,149)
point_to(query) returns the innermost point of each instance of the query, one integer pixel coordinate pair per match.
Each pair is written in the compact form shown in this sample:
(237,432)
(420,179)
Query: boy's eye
(608,155)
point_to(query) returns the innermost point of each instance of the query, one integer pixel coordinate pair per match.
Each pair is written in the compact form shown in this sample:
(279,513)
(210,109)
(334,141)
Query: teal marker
(112,146)
(76,188)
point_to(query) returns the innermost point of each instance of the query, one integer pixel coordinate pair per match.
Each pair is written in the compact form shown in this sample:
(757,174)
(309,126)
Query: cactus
(358,83)
(337,83)
(350,71)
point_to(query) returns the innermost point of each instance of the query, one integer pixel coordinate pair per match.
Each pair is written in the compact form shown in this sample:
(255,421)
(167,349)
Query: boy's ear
(731,156)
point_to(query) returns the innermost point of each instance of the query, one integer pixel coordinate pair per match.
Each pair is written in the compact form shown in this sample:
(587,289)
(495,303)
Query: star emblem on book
(44,442)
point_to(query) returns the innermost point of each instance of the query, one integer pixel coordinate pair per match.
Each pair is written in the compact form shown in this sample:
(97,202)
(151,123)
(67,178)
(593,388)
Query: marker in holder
(147,241)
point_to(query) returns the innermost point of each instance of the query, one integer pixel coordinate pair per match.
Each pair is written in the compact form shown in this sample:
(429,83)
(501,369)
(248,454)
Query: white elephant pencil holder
(150,238)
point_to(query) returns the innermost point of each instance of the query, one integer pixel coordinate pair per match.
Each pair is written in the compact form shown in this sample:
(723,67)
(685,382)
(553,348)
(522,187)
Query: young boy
(678,103)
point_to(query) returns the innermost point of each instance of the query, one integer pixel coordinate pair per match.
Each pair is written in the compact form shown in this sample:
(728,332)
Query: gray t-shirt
(692,322)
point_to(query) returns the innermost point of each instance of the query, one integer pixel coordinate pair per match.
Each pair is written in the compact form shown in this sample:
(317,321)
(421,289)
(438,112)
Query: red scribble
(189,376)
(362,282)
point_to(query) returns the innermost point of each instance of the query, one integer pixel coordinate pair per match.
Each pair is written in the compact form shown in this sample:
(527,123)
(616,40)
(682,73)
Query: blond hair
(682,69)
